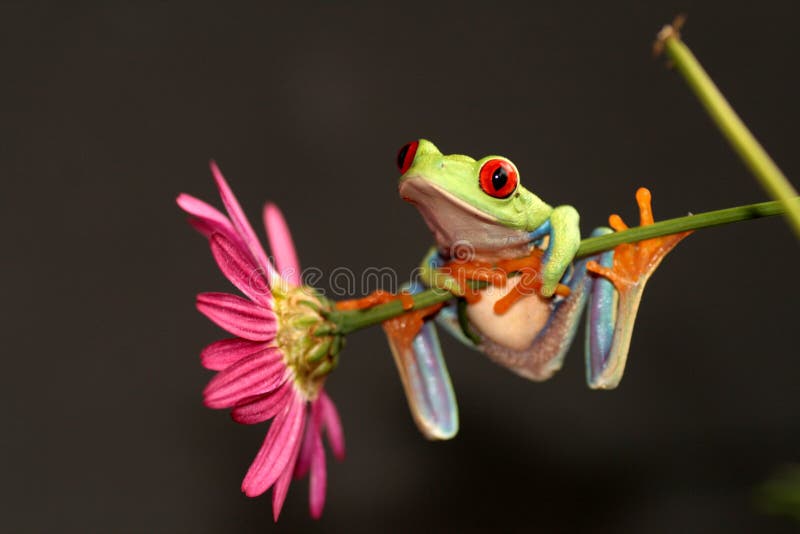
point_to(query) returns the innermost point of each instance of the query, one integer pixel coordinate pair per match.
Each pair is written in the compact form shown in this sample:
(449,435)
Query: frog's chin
(459,228)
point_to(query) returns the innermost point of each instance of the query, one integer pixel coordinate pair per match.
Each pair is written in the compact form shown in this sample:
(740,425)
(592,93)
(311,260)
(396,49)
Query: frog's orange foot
(404,327)
(529,284)
(464,272)
(375,298)
(528,268)
(635,262)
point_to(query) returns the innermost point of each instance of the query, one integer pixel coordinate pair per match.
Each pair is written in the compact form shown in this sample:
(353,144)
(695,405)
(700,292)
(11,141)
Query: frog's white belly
(518,327)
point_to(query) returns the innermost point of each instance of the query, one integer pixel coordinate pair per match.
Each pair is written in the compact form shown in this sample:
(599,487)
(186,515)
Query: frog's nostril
(405,157)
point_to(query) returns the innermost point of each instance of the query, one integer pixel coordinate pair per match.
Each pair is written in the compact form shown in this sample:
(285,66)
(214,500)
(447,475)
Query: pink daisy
(275,367)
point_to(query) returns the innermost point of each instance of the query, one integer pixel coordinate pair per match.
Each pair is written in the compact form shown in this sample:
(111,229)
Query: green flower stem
(350,321)
(593,245)
(729,123)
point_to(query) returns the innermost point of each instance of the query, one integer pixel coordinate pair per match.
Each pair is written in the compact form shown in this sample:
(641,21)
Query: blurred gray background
(110,109)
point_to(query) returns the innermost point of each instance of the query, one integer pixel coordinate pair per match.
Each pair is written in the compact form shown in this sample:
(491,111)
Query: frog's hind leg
(417,353)
(614,296)
(423,372)
(607,326)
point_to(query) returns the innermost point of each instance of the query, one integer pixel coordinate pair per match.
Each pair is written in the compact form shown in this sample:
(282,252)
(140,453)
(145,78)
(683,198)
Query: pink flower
(275,367)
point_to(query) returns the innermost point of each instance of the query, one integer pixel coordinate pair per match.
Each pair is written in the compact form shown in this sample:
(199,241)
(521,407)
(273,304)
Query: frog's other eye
(499,178)
(406,156)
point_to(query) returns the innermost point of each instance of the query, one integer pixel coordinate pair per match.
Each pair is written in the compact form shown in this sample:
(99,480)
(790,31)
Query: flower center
(311,357)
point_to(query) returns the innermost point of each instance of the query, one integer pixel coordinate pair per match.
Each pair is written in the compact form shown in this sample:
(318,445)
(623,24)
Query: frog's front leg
(431,275)
(457,276)
(415,347)
(565,237)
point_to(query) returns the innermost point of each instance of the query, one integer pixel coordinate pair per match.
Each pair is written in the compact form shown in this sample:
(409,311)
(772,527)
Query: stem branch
(350,321)
(593,245)
(733,129)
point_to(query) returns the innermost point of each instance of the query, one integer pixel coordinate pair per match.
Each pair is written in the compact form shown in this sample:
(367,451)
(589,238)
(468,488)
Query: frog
(509,260)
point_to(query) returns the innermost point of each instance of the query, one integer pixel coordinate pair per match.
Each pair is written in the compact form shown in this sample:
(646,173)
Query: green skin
(462,216)
(470,222)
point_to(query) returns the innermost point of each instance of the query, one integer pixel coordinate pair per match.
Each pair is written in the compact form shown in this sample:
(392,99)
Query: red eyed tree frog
(489,229)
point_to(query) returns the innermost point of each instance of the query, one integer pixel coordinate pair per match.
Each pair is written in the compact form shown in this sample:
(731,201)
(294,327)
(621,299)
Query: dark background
(111,109)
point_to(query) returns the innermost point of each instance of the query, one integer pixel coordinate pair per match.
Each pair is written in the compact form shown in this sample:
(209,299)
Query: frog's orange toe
(644,200)
(612,275)
(616,223)
(375,298)
(479,271)
(405,327)
(635,262)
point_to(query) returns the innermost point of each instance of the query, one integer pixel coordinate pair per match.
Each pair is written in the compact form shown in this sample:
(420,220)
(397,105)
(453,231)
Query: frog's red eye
(499,178)
(406,156)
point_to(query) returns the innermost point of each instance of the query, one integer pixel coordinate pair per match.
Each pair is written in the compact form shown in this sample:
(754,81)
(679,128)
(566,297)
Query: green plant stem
(593,245)
(350,321)
(733,129)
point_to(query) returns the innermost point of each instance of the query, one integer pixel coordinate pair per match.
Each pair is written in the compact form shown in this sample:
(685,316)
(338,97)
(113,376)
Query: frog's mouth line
(424,194)
(455,222)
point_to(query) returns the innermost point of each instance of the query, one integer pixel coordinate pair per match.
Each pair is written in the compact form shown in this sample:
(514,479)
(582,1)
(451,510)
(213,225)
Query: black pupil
(401,156)
(499,178)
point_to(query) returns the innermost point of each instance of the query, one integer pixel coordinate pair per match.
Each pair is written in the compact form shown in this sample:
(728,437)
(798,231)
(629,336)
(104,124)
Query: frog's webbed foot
(470,275)
(473,276)
(375,298)
(616,294)
(529,269)
(634,263)
(418,356)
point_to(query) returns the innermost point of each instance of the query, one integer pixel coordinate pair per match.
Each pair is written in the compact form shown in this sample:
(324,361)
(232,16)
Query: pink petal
(240,222)
(225,352)
(280,242)
(319,479)
(238,316)
(238,267)
(256,374)
(332,425)
(262,407)
(206,219)
(278,448)
(282,484)
(312,432)
(203,227)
